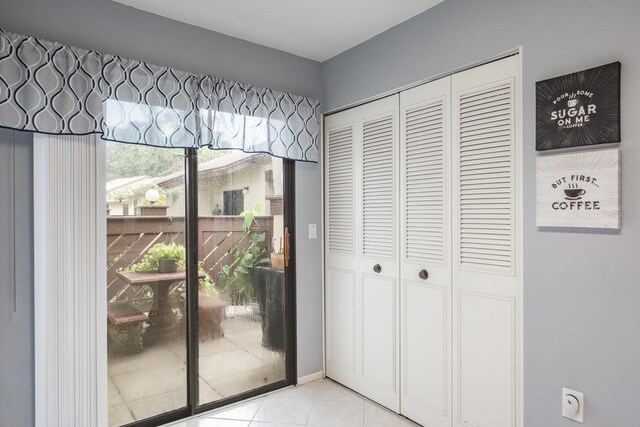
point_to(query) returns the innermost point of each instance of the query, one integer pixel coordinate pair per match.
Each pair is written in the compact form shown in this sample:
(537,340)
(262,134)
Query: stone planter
(210,317)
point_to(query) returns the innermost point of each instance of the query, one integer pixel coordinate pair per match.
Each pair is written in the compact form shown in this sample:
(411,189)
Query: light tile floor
(319,403)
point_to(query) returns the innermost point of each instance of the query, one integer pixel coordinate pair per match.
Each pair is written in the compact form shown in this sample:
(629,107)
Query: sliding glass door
(146,309)
(241,299)
(199,295)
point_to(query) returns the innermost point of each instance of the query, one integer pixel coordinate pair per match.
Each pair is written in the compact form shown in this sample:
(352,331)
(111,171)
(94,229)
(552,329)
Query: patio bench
(126,327)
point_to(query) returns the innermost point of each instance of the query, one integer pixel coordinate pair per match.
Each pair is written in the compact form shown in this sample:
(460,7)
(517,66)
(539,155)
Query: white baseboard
(311,377)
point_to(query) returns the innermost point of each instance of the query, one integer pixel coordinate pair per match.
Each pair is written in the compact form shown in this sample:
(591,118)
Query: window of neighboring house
(125,209)
(233,202)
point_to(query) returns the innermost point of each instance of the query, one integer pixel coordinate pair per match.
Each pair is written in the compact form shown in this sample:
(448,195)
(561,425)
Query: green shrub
(236,278)
(158,251)
(177,253)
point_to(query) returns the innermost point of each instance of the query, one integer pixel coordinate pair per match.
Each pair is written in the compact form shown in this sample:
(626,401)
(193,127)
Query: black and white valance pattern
(52,88)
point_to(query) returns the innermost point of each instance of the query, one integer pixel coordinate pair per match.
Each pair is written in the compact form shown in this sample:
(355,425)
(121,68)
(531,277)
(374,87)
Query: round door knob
(377,268)
(423,274)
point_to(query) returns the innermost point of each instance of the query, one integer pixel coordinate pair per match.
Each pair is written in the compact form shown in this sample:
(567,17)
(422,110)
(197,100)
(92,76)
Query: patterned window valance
(52,88)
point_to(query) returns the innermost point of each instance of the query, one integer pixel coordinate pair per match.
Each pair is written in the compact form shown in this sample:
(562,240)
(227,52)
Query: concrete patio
(154,381)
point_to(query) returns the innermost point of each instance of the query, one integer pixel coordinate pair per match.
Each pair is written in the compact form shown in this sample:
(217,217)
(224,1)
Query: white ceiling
(318,29)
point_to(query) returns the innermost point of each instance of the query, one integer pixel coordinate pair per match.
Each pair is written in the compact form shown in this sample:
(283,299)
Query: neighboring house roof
(124,185)
(232,162)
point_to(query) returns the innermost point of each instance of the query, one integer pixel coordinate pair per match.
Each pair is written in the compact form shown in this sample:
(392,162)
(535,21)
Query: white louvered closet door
(361,247)
(341,249)
(379,285)
(487,276)
(425,188)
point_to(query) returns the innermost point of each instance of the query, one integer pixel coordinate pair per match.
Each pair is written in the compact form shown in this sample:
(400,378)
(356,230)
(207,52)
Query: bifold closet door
(423,274)
(425,188)
(487,268)
(379,284)
(361,280)
(341,249)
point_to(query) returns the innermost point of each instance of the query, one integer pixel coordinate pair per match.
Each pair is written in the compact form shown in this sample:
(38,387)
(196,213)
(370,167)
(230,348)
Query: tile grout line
(313,402)
(257,410)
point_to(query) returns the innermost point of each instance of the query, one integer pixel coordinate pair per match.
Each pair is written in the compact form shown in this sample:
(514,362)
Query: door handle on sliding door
(287,247)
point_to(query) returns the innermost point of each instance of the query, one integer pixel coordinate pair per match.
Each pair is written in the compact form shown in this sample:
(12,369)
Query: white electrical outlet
(573,404)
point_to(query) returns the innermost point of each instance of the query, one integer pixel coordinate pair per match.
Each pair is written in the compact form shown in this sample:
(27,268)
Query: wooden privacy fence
(130,237)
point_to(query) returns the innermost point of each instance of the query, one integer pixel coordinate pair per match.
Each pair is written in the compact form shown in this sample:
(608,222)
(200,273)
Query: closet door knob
(423,274)
(377,268)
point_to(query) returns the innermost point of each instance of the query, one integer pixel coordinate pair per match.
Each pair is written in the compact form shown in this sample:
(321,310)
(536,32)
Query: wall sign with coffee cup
(579,109)
(579,190)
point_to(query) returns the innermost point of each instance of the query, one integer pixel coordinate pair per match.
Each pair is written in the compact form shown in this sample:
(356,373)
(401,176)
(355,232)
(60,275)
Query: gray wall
(16,307)
(309,269)
(114,28)
(111,27)
(581,293)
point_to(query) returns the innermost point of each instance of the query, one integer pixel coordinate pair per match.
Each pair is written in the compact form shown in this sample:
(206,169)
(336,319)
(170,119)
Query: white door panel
(380,330)
(425,206)
(362,232)
(486,376)
(487,246)
(341,261)
(425,356)
(340,294)
(379,339)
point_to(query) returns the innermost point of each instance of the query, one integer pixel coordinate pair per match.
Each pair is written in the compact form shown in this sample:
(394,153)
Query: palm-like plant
(237,277)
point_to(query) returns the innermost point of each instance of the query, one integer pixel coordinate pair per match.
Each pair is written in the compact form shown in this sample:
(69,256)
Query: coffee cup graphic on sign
(572,103)
(574,193)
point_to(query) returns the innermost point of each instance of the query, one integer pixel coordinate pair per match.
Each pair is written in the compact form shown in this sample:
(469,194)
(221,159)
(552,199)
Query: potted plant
(277,256)
(163,258)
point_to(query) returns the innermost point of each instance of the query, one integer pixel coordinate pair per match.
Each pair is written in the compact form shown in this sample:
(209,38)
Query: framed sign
(579,190)
(579,109)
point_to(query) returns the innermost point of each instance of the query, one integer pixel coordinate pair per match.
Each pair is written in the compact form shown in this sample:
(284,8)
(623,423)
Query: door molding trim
(397,90)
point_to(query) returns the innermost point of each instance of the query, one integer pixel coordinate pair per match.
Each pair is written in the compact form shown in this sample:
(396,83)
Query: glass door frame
(191,243)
